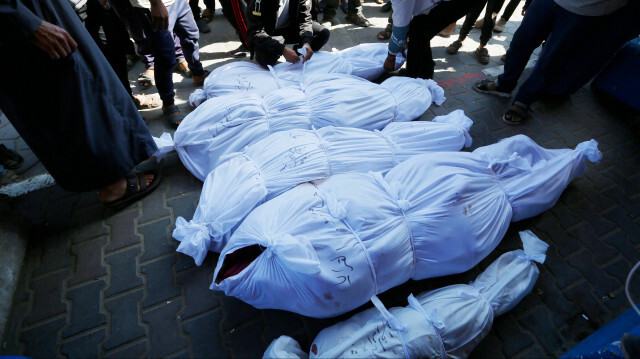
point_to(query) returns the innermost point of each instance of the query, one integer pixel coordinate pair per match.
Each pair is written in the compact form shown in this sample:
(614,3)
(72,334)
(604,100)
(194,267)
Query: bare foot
(118,189)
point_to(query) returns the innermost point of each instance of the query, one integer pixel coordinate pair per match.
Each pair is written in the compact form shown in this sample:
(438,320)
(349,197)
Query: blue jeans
(181,23)
(565,33)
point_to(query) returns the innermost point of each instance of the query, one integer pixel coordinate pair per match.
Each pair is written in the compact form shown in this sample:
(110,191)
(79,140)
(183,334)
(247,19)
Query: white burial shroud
(284,159)
(447,323)
(364,60)
(328,247)
(227,124)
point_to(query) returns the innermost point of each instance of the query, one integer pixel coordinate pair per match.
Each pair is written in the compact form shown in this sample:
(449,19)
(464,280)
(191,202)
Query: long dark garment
(73,113)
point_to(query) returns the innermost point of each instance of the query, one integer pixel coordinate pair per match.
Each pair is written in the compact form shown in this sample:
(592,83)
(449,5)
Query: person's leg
(329,11)
(534,29)
(509,9)
(569,34)
(354,14)
(493,6)
(424,27)
(187,31)
(209,10)
(195,10)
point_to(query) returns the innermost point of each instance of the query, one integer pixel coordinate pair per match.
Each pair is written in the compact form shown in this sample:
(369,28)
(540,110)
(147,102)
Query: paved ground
(96,283)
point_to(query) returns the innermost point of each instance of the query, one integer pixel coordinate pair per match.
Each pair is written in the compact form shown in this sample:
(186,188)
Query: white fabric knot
(295,253)
(590,149)
(336,208)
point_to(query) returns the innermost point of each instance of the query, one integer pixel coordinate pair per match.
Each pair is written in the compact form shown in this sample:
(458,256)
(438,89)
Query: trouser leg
(185,28)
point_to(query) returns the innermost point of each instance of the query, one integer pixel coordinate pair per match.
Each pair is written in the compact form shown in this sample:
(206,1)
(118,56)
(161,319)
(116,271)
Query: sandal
(199,80)
(183,68)
(144,102)
(136,188)
(173,115)
(489,86)
(207,15)
(454,47)
(515,115)
(10,159)
(385,34)
(483,55)
(145,79)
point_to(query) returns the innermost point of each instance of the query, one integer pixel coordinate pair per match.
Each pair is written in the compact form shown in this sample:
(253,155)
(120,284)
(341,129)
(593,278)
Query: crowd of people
(88,133)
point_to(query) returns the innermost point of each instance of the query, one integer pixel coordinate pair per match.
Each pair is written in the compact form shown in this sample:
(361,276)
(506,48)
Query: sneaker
(358,19)
(499,26)
(479,23)
(203,26)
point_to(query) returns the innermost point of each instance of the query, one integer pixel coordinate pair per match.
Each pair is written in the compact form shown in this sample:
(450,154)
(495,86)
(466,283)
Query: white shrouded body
(444,323)
(227,124)
(329,246)
(284,159)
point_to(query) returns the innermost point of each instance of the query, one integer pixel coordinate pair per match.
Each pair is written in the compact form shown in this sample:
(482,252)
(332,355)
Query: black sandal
(515,115)
(132,193)
(144,79)
(483,87)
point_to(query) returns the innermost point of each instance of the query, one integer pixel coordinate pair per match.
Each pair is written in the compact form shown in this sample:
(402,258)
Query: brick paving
(101,284)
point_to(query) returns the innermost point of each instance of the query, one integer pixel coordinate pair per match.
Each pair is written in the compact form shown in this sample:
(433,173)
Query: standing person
(490,14)
(207,14)
(160,18)
(235,12)
(354,13)
(86,130)
(568,27)
(421,21)
(508,11)
(273,23)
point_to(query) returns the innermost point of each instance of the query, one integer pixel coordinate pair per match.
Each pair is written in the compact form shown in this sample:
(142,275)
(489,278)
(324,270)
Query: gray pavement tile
(164,333)
(124,325)
(47,297)
(122,231)
(157,240)
(42,341)
(583,296)
(159,282)
(245,342)
(197,297)
(600,282)
(123,271)
(236,313)
(593,243)
(88,264)
(513,338)
(490,347)
(622,242)
(86,309)
(538,322)
(204,336)
(135,350)
(86,346)
(564,275)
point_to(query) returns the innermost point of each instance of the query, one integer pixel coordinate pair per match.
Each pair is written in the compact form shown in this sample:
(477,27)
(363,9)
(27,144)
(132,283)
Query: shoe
(327,21)
(173,115)
(386,7)
(202,26)
(479,23)
(485,86)
(207,15)
(483,55)
(144,102)
(183,68)
(145,79)
(358,19)
(240,52)
(454,47)
(199,80)
(499,26)
(10,159)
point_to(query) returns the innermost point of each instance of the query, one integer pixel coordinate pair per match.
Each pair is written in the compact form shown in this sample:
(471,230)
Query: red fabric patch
(314,349)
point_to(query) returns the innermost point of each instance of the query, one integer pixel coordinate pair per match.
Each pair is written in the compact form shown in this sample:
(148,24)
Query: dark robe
(74,113)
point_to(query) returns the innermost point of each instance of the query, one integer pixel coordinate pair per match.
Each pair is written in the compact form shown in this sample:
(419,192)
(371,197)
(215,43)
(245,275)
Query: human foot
(515,115)
(489,86)
(129,189)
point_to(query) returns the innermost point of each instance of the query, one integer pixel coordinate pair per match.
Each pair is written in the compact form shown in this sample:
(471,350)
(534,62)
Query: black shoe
(358,19)
(240,52)
(386,7)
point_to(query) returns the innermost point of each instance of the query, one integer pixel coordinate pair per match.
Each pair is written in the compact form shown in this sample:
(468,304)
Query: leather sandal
(136,188)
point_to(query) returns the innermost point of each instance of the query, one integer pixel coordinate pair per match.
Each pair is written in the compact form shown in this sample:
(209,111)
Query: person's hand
(290,55)
(390,63)
(307,57)
(53,40)
(159,16)
(524,11)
